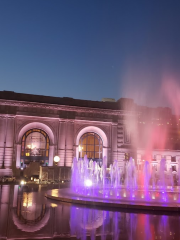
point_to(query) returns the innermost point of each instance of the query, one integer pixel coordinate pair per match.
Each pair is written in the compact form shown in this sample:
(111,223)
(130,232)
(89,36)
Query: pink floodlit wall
(2,138)
(94,129)
(69,136)
(66,125)
(61,142)
(4,209)
(6,141)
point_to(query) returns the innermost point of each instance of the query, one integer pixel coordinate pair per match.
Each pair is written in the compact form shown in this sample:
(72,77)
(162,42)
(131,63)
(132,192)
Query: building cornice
(16,103)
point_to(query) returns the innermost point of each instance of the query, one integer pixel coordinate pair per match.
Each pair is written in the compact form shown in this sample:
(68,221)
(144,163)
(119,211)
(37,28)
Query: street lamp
(56,159)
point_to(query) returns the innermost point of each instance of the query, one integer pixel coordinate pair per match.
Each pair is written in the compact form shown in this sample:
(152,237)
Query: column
(114,142)
(18,155)
(69,143)
(51,155)
(8,158)
(61,142)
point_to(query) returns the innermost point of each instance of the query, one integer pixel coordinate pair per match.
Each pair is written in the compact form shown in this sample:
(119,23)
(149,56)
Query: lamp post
(56,160)
(57,170)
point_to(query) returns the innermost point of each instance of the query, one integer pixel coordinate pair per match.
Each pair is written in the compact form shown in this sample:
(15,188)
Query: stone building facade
(60,124)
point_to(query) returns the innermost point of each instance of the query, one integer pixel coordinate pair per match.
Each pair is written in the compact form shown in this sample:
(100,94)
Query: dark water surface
(26,214)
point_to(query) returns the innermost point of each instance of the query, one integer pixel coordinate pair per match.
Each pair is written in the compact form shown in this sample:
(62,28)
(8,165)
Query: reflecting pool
(26,214)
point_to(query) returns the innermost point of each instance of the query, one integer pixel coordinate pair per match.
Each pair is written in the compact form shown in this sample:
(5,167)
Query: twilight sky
(90,49)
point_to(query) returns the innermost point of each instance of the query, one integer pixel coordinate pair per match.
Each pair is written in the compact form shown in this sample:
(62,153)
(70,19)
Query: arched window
(35,147)
(91,144)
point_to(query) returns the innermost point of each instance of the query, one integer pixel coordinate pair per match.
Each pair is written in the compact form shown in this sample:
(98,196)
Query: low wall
(54,174)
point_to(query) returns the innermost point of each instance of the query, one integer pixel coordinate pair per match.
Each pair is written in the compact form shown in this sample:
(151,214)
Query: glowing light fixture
(80,151)
(80,148)
(31,146)
(88,183)
(53,205)
(56,159)
(23,182)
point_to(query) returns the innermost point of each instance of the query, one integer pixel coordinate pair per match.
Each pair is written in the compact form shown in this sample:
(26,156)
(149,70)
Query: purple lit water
(27,214)
(92,181)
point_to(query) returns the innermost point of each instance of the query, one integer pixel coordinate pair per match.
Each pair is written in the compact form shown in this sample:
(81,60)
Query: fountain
(131,177)
(120,187)
(147,175)
(162,178)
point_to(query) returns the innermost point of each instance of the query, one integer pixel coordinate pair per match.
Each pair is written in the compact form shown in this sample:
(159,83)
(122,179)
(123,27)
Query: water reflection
(88,221)
(25,213)
(29,215)
(122,225)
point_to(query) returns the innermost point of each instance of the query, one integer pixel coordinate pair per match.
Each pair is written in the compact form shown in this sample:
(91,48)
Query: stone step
(120,133)
(120,137)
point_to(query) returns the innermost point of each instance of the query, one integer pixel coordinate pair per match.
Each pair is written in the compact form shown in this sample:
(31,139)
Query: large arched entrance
(91,144)
(91,141)
(31,134)
(35,147)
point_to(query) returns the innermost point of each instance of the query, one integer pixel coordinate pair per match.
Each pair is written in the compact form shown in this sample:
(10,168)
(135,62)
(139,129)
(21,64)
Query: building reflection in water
(25,213)
(29,216)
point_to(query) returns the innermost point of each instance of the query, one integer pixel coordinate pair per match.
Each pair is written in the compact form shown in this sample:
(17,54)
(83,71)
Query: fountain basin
(120,198)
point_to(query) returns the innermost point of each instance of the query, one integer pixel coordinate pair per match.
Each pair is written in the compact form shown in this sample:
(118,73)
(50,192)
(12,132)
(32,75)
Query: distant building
(34,129)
